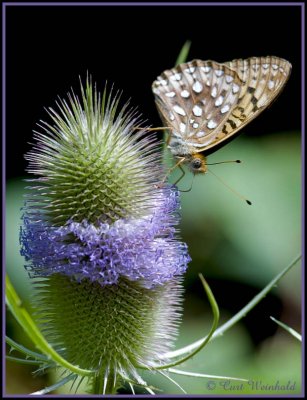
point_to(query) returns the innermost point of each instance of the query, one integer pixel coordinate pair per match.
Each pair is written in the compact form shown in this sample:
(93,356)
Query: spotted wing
(205,103)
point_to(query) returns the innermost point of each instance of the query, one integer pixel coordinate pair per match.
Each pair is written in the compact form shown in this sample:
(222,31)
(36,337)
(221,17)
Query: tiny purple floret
(140,249)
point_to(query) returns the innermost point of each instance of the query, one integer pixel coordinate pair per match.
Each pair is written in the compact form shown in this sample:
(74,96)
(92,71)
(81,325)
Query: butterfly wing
(262,80)
(186,96)
(205,103)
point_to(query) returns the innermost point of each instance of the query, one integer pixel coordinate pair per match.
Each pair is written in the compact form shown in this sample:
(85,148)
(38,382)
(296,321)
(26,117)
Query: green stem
(105,383)
(111,384)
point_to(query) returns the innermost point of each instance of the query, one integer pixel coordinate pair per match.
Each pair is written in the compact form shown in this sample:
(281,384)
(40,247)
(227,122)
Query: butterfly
(204,104)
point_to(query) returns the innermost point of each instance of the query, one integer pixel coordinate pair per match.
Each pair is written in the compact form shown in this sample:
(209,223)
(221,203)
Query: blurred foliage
(227,237)
(238,248)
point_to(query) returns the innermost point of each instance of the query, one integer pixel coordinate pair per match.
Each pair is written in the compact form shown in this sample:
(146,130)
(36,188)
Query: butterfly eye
(196,163)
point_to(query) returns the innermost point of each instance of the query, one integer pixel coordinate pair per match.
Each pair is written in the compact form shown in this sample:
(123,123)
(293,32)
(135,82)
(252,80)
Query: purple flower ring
(143,249)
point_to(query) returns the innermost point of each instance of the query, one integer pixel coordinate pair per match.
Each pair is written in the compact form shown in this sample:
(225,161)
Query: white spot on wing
(182,127)
(175,77)
(171,116)
(185,94)
(200,134)
(271,84)
(219,72)
(170,94)
(190,70)
(197,87)
(225,109)
(262,101)
(235,88)
(197,111)
(229,78)
(214,91)
(179,110)
(162,82)
(211,124)
(195,125)
(206,69)
(219,101)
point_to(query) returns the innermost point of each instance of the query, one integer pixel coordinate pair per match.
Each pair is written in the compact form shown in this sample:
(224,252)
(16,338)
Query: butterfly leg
(190,188)
(180,161)
(168,139)
(181,176)
(167,132)
(160,128)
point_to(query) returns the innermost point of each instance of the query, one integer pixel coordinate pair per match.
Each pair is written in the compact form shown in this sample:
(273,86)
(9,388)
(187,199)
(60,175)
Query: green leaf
(184,52)
(29,353)
(236,318)
(24,319)
(58,384)
(288,329)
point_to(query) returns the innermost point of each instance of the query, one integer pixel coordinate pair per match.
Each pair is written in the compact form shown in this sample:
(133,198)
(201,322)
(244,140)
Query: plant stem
(105,383)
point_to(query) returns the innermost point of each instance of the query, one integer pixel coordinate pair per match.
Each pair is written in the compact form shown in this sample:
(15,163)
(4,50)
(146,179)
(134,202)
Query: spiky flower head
(99,234)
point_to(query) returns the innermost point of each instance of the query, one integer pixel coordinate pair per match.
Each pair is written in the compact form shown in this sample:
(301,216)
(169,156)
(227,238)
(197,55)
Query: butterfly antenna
(225,162)
(231,189)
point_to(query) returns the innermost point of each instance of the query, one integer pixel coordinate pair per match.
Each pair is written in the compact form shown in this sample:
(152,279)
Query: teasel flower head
(100,240)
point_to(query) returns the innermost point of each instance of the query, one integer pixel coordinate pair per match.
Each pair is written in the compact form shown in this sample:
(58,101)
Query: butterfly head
(197,163)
